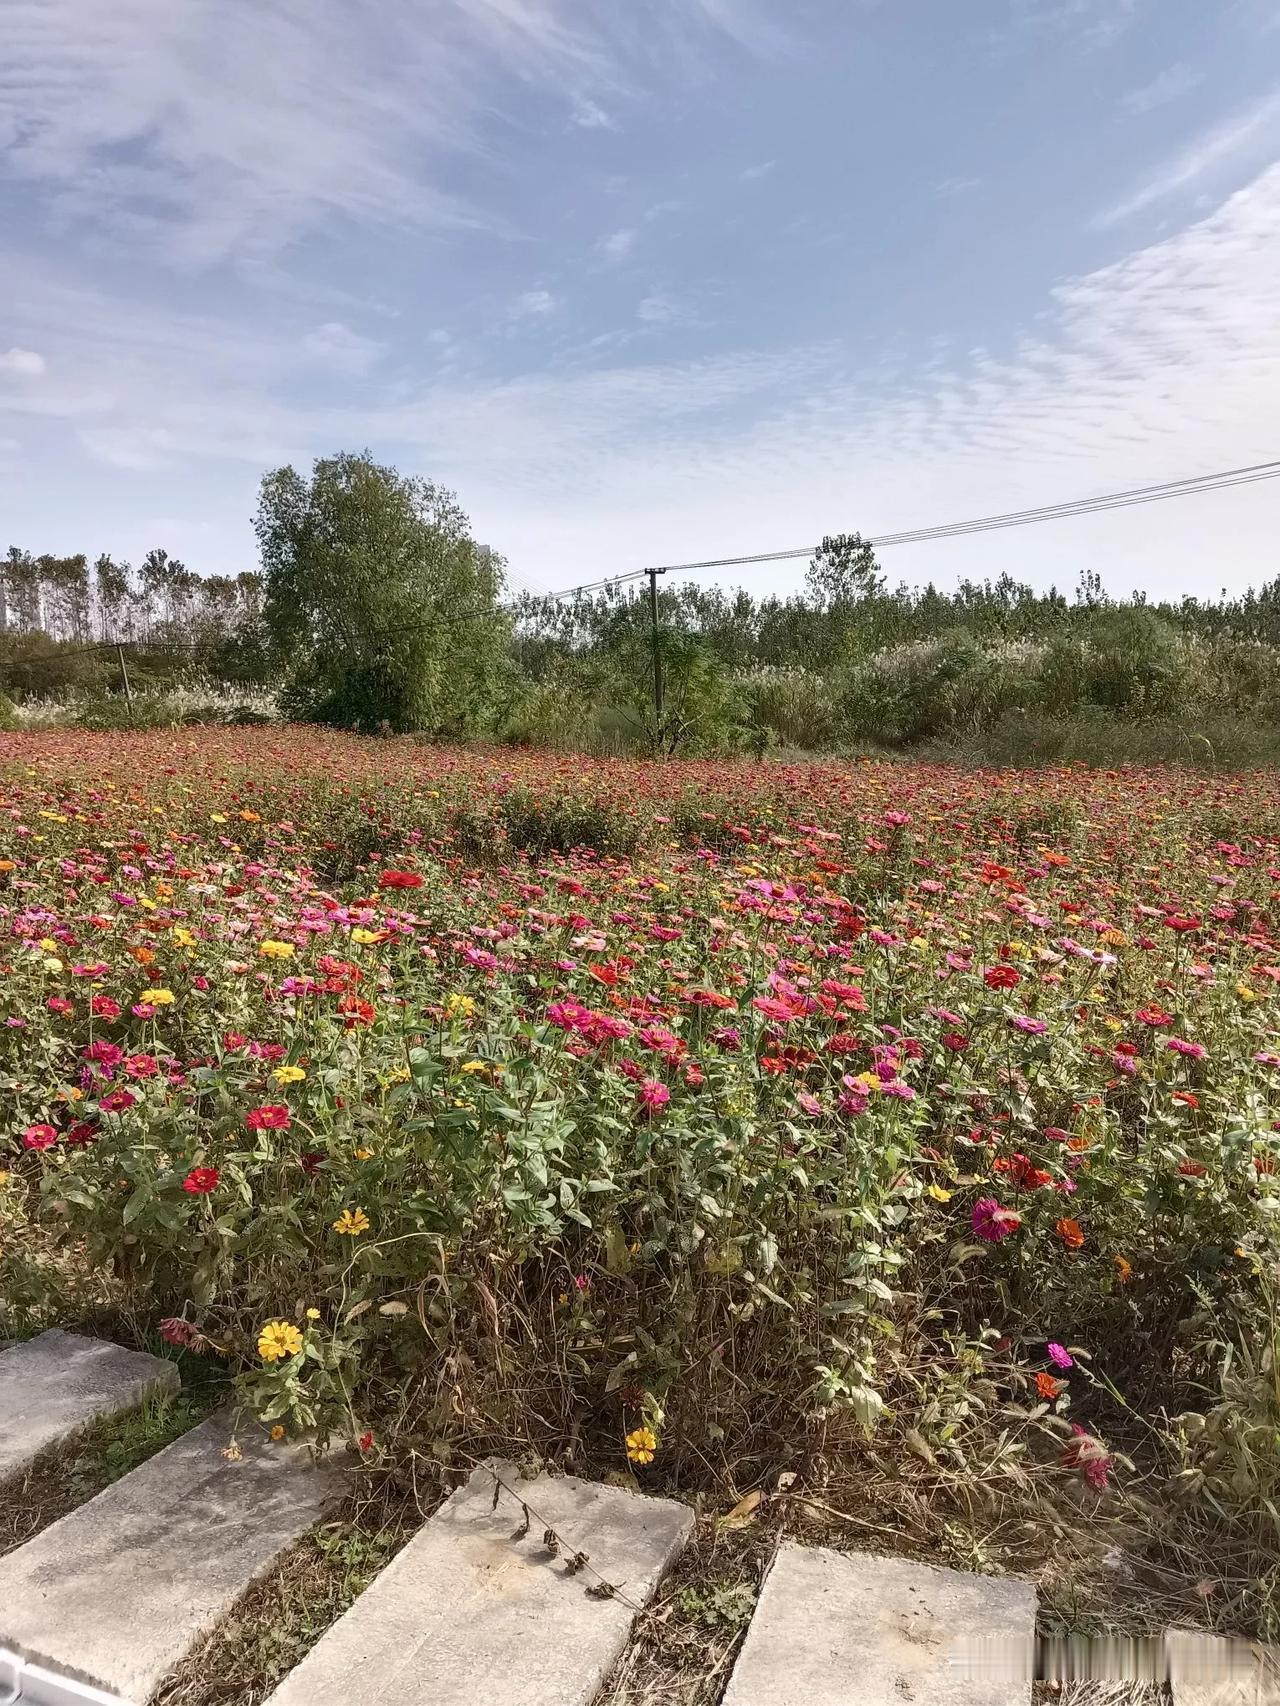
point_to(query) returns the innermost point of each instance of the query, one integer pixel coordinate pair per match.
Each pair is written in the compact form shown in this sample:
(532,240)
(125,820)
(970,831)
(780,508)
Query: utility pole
(124,676)
(657,658)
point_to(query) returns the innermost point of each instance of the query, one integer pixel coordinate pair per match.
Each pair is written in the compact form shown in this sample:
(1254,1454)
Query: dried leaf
(497,1490)
(396,1308)
(786,1481)
(551,1540)
(601,1590)
(523,1529)
(744,1511)
(575,1563)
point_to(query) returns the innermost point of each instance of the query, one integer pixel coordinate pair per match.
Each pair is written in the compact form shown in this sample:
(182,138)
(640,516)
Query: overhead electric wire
(1188,487)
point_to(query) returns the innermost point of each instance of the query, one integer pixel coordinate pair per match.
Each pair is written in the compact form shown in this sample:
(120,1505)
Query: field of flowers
(672,1113)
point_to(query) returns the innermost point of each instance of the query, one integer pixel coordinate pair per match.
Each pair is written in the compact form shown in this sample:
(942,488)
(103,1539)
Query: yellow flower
(270,950)
(53,965)
(1245,993)
(313,1314)
(366,938)
(869,1080)
(48,945)
(363,1153)
(288,1075)
(277,1432)
(159,997)
(351,1222)
(641,1445)
(470,1066)
(279,1339)
(937,1193)
(217,817)
(4,1180)
(459,1006)
(183,937)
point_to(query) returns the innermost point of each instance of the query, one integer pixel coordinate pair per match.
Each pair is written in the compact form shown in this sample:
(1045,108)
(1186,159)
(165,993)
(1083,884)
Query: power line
(1013,518)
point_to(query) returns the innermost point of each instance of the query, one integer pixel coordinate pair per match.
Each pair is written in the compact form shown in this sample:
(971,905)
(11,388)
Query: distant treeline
(404,624)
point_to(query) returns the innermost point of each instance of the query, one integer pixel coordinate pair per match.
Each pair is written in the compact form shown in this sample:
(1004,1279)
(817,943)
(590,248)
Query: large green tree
(383,607)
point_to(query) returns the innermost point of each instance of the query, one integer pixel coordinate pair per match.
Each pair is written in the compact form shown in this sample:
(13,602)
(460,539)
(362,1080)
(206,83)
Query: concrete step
(54,1386)
(1212,1670)
(467,1612)
(848,1629)
(121,1590)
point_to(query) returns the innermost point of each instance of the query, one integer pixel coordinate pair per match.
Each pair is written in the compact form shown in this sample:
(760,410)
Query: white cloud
(24,363)
(588,115)
(659,308)
(533,305)
(217,129)
(955,186)
(1172,83)
(336,346)
(752,173)
(1255,134)
(617,245)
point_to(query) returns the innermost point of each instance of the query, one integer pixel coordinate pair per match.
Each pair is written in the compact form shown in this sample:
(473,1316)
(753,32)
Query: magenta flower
(1194,1051)
(991,1222)
(1032,1027)
(652,1096)
(1058,1356)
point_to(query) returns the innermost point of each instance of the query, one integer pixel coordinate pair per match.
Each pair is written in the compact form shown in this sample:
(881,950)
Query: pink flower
(39,1137)
(991,1222)
(652,1096)
(1058,1356)
(1032,1027)
(808,1104)
(1195,1051)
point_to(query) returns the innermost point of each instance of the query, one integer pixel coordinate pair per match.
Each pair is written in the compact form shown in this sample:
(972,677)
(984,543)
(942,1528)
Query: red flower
(1088,1455)
(200,1181)
(365,1441)
(401,880)
(39,1137)
(1002,977)
(272,1117)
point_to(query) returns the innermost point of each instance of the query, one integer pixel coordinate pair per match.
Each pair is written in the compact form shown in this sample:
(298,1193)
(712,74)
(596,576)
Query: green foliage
(380,604)
(8,715)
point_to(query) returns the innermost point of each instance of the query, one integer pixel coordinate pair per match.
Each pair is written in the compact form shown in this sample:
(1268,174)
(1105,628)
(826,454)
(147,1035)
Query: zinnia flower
(652,1096)
(271,1117)
(351,1223)
(1058,1356)
(279,1339)
(39,1137)
(641,1445)
(200,1181)
(991,1222)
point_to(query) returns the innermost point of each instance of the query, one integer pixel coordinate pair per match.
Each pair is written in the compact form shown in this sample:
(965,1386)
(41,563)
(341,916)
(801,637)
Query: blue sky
(648,281)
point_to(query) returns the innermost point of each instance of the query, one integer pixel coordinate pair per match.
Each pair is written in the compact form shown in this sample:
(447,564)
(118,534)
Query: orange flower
(1124,1269)
(1048,1387)
(1071,1233)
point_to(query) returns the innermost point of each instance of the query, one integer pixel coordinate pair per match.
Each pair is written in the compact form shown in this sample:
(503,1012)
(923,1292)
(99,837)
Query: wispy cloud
(1172,84)
(533,304)
(753,173)
(617,245)
(1252,135)
(336,346)
(214,128)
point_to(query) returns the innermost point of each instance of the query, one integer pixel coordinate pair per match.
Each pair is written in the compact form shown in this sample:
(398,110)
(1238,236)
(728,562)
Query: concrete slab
(119,1591)
(848,1629)
(1212,1670)
(465,1613)
(54,1386)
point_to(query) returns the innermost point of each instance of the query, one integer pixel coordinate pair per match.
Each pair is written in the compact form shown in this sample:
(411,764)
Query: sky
(652,281)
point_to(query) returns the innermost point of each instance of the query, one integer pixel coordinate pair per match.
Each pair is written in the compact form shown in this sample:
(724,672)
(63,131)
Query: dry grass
(283,1615)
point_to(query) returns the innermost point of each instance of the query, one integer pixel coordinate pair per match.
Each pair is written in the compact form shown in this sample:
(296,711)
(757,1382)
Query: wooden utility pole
(124,676)
(657,660)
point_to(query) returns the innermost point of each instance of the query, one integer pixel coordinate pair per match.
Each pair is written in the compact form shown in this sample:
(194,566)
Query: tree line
(374,607)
